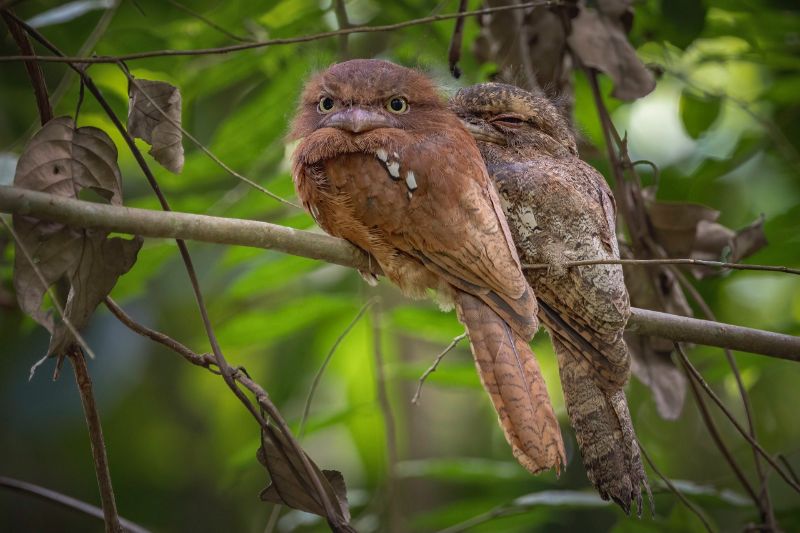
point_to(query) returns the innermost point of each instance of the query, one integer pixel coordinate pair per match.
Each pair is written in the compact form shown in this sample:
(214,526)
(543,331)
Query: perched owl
(560,209)
(383,163)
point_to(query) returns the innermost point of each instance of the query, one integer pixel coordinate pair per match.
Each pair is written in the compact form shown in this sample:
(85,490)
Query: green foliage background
(182,449)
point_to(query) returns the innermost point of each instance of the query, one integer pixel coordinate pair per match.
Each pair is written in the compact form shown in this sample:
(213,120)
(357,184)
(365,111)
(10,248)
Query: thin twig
(209,22)
(274,514)
(695,375)
(202,147)
(150,223)
(204,360)
(435,365)
(782,458)
(671,486)
(318,376)
(63,500)
(768,514)
(669,261)
(99,455)
(388,420)
(34,69)
(454,51)
(717,438)
(497,512)
(274,42)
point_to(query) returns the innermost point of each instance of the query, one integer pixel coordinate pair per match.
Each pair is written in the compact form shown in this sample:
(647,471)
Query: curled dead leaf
(690,230)
(290,484)
(680,230)
(154,115)
(599,39)
(63,160)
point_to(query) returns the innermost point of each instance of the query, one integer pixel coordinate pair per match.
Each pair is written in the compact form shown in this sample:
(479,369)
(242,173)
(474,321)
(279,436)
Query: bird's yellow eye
(397,104)
(325,104)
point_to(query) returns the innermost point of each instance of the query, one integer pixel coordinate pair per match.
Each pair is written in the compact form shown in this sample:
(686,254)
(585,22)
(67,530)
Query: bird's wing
(455,225)
(574,212)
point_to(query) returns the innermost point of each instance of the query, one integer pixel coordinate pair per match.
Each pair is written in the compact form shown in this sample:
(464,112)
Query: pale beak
(480,133)
(357,120)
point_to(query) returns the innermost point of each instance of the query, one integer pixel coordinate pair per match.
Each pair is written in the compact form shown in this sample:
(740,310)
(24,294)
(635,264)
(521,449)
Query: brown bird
(560,209)
(384,164)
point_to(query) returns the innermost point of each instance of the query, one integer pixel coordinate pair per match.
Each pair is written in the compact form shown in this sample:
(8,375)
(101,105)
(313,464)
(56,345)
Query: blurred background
(722,125)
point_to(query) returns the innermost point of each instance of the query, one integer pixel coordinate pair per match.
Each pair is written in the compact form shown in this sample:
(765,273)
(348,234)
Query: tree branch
(159,224)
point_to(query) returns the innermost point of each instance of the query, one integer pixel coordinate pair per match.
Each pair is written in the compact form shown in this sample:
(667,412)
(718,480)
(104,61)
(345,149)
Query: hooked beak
(358,120)
(482,133)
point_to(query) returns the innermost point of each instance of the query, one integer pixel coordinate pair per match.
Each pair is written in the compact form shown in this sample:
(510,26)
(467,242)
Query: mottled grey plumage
(560,209)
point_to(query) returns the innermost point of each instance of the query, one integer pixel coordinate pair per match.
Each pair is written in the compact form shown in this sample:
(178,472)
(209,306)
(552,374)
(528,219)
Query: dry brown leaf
(656,370)
(690,230)
(715,242)
(656,288)
(290,484)
(675,225)
(681,230)
(63,160)
(599,39)
(102,261)
(145,121)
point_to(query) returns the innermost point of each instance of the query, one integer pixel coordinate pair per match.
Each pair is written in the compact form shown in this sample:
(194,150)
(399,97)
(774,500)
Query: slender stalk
(668,261)
(388,421)
(767,510)
(68,502)
(99,455)
(34,69)
(671,486)
(318,376)
(431,369)
(695,374)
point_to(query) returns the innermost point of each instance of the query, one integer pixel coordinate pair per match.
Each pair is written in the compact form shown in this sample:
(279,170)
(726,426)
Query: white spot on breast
(382,155)
(411,180)
(394,169)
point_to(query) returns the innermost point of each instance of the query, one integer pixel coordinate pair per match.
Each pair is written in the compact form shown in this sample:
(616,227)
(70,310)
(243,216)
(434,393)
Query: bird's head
(363,95)
(505,115)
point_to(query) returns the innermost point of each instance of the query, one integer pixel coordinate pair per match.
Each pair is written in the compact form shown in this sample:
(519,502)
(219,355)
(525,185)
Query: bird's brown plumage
(411,189)
(560,209)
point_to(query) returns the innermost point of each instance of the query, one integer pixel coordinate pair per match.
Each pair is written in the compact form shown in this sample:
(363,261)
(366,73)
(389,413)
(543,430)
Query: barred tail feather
(603,428)
(510,374)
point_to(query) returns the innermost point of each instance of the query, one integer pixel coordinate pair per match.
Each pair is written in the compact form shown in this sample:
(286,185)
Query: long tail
(603,429)
(510,374)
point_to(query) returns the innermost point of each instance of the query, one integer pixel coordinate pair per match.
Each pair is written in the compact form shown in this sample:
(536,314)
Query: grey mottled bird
(560,209)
